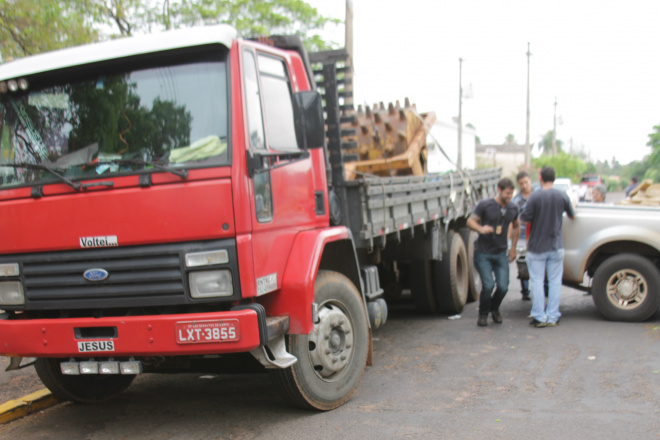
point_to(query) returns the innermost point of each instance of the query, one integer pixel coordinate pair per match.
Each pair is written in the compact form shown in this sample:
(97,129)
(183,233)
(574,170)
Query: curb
(15,409)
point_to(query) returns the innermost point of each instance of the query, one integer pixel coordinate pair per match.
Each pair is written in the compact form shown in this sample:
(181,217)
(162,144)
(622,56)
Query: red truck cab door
(284,188)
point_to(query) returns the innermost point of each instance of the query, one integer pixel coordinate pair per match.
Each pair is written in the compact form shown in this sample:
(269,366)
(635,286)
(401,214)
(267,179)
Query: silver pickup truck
(613,251)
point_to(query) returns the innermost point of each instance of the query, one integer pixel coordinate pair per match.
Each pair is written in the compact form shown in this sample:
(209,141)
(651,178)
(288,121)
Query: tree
(565,165)
(653,162)
(510,139)
(251,17)
(545,144)
(28,27)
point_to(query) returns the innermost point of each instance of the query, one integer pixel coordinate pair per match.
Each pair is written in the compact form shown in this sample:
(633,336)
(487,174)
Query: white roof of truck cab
(119,48)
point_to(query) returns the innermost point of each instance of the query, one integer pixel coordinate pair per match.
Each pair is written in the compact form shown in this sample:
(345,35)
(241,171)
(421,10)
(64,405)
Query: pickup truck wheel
(626,287)
(474,280)
(93,388)
(332,358)
(450,276)
(421,286)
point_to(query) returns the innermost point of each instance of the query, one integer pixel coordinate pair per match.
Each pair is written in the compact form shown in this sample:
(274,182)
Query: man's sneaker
(538,324)
(552,324)
(497,316)
(525,297)
(482,321)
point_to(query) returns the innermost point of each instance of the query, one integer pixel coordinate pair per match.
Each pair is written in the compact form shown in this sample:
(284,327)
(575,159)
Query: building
(442,145)
(509,157)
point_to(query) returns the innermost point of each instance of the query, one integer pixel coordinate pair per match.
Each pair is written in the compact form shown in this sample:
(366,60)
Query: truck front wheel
(332,358)
(626,287)
(93,388)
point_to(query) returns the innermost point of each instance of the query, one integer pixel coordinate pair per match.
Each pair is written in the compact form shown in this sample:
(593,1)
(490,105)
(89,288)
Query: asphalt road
(433,378)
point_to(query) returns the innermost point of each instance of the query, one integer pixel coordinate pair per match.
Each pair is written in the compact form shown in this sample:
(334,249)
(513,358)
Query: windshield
(116,123)
(586,179)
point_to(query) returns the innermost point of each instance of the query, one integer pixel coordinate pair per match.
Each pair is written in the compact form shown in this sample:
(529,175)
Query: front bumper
(154,335)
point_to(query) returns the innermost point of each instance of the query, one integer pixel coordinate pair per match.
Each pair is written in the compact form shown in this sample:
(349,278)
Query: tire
(450,276)
(626,287)
(94,388)
(421,286)
(474,280)
(332,358)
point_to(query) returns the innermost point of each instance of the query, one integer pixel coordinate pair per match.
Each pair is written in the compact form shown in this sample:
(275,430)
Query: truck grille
(138,276)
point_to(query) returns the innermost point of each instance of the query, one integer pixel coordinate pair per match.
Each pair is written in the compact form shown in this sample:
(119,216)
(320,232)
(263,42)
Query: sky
(600,60)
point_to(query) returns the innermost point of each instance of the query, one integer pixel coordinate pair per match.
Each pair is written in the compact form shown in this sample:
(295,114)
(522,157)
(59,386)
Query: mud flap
(274,354)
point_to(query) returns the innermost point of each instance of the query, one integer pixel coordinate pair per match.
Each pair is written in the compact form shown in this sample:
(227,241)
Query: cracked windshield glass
(172,116)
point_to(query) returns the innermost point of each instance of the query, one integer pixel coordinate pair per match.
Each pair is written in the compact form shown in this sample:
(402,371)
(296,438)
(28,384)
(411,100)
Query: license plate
(198,332)
(95,346)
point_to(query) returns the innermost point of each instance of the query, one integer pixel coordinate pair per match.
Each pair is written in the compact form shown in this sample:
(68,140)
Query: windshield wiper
(183,174)
(41,166)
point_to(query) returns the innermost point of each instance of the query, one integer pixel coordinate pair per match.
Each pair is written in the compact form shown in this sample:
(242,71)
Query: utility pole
(459,159)
(348,43)
(528,148)
(554,131)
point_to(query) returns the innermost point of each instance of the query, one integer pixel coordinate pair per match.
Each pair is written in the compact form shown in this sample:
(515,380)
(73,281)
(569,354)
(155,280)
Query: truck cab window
(278,105)
(263,199)
(253,102)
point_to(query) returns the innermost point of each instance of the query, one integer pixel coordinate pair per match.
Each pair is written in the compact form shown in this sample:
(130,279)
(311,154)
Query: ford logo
(95,274)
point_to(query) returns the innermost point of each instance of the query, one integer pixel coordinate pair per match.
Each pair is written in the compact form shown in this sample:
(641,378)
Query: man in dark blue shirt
(634,181)
(491,219)
(520,199)
(545,247)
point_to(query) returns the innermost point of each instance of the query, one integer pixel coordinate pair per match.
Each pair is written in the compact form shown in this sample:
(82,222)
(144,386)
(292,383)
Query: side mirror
(310,125)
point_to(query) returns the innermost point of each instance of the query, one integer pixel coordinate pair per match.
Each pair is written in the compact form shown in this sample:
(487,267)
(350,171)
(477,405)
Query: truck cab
(164,201)
(180,202)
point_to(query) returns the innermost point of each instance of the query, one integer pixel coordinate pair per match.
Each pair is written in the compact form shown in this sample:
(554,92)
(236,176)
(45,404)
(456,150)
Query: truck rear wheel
(474,280)
(332,358)
(451,276)
(93,388)
(626,287)
(421,286)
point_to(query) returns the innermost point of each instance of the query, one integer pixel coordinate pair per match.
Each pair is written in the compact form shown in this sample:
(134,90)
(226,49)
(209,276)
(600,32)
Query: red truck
(177,202)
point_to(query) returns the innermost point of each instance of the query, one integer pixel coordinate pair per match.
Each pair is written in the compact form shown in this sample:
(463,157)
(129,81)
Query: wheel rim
(331,342)
(627,289)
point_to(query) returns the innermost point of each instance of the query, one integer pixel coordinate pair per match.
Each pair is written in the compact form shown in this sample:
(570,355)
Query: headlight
(210,284)
(209,258)
(109,367)
(9,270)
(11,293)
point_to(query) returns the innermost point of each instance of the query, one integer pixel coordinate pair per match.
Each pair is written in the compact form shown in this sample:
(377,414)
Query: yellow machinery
(390,141)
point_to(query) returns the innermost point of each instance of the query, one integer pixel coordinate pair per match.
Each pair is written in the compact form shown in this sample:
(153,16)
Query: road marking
(34,402)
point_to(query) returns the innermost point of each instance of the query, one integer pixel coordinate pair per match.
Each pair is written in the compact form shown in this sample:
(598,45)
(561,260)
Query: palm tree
(545,144)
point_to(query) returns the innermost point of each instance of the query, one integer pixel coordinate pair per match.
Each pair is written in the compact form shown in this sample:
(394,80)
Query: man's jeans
(524,287)
(524,284)
(538,265)
(487,265)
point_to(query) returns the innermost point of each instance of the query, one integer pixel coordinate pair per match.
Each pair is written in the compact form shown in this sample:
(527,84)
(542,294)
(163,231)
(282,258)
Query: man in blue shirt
(545,247)
(634,181)
(491,219)
(525,184)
